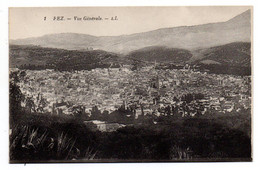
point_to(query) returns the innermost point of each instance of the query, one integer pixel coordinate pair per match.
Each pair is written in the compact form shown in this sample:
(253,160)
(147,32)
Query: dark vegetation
(38,137)
(225,69)
(161,54)
(233,58)
(237,54)
(38,58)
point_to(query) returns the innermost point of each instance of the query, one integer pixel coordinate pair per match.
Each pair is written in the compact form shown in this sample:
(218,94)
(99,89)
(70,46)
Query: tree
(22,75)
(188,98)
(30,104)
(78,111)
(42,104)
(168,110)
(16,97)
(95,113)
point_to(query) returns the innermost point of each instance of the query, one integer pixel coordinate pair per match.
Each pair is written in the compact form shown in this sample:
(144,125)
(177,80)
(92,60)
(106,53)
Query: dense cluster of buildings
(144,91)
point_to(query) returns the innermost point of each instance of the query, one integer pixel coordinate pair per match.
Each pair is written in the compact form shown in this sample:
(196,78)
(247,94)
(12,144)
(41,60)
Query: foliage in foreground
(30,144)
(179,140)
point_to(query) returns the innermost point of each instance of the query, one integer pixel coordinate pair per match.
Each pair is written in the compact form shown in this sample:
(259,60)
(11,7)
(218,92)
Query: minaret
(157,84)
(155,64)
(157,77)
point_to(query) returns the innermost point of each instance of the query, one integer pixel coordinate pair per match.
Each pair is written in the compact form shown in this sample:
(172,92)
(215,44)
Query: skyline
(131,20)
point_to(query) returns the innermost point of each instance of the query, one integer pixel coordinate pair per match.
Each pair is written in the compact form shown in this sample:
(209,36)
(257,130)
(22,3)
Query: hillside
(233,54)
(161,54)
(184,37)
(233,58)
(35,57)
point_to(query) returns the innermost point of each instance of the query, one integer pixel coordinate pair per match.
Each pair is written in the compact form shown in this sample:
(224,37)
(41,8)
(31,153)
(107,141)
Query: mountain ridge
(186,37)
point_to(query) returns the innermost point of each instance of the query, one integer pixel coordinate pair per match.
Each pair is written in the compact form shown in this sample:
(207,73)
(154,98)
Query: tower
(155,64)
(157,85)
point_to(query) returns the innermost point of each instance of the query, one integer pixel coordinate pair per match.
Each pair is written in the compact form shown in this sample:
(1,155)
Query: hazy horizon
(131,20)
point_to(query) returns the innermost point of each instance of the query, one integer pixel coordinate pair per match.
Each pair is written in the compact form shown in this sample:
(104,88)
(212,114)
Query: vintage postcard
(130,84)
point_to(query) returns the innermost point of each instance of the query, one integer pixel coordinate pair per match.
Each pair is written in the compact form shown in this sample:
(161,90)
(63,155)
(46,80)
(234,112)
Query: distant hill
(233,54)
(233,58)
(35,57)
(161,54)
(185,37)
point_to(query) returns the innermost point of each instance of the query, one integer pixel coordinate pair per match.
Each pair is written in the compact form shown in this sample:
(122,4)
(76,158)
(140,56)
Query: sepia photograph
(130,84)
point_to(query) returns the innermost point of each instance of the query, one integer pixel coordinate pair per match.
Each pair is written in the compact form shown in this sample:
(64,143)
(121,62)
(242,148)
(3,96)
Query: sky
(35,22)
